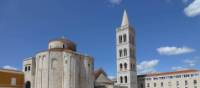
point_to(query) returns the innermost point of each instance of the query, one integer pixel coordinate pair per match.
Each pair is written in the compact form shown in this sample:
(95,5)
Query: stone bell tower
(126,59)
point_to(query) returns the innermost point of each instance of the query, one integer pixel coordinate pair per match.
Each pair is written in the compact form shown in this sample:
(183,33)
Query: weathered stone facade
(62,67)
(59,67)
(126,59)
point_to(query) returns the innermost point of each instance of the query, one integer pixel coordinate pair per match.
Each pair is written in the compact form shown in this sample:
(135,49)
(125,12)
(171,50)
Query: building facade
(126,59)
(11,79)
(177,79)
(59,67)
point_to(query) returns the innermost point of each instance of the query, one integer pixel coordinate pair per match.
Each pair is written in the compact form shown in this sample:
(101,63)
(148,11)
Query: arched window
(121,66)
(120,53)
(131,39)
(28,84)
(25,69)
(131,52)
(121,79)
(125,66)
(120,39)
(125,52)
(63,46)
(125,79)
(124,37)
(131,66)
(29,68)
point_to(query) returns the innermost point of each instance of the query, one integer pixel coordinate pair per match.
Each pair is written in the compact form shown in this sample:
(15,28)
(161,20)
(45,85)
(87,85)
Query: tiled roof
(63,40)
(98,72)
(11,71)
(169,73)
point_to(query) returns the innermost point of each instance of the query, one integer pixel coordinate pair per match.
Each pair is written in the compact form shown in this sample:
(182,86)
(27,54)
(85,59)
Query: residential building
(176,79)
(11,79)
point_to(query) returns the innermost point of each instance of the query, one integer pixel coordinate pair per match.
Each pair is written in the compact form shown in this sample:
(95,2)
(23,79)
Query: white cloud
(9,67)
(115,2)
(174,50)
(193,9)
(192,62)
(111,77)
(188,64)
(178,68)
(147,66)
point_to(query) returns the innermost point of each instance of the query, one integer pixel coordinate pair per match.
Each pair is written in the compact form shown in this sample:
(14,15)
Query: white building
(59,67)
(177,79)
(126,59)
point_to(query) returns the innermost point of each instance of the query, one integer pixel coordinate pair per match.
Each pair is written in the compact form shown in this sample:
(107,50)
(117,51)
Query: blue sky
(167,31)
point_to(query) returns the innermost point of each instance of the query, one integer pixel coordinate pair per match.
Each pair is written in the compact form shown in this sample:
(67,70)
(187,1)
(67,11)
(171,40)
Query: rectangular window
(141,85)
(170,77)
(162,84)
(197,75)
(13,81)
(155,78)
(177,83)
(195,82)
(148,84)
(148,78)
(186,82)
(169,84)
(178,76)
(154,84)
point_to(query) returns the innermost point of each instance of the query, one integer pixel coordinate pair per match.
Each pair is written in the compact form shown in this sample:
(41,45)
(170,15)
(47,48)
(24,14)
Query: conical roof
(125,19)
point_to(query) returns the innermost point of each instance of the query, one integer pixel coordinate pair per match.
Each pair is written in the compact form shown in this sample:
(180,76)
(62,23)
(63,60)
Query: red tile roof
(11,71)
(169,73)
(98,72)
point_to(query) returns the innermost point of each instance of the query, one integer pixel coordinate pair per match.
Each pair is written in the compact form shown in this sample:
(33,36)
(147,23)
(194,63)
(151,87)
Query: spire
(125,19)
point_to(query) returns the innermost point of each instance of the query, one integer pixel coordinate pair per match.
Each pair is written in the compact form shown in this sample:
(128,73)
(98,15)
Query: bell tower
(126,59)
